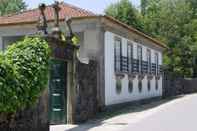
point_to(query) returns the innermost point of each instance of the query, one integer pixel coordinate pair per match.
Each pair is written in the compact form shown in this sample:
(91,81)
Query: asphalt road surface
(179,116)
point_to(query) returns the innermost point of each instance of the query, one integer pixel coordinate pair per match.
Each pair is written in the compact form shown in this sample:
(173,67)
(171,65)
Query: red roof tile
(31,16)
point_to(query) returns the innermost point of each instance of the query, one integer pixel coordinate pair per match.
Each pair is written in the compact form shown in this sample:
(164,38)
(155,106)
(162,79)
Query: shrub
(23,74)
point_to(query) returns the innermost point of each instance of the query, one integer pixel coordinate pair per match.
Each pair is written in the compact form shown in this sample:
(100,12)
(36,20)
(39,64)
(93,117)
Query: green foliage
(23,74)
(75,40)
(11,6)
(173,22)
(144,6)
(125,12)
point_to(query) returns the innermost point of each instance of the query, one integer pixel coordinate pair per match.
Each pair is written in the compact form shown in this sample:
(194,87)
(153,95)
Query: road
(166,115)
(177,116)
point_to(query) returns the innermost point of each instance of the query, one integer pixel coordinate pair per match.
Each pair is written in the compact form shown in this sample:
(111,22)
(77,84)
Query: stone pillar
(71,92)
(86,102)
(101,70)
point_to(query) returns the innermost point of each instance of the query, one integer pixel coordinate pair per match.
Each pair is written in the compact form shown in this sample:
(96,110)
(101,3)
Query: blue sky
(97,6)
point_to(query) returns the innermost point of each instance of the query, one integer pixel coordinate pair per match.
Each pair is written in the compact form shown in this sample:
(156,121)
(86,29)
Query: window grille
(149,61)
(117,54)
(130,57)
(124,64)
(139,57)
(156,64)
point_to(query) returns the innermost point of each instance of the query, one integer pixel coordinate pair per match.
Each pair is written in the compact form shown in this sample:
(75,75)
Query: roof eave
(137,32)
(157,42)
(97,16)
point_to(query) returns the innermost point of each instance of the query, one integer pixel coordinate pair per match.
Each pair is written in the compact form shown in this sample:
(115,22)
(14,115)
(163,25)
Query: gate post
(69,54)
(71,92)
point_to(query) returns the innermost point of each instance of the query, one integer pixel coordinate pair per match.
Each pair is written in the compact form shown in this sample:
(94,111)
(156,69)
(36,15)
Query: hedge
(24,71)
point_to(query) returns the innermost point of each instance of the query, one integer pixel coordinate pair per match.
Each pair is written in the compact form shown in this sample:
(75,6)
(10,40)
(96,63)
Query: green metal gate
(57,92)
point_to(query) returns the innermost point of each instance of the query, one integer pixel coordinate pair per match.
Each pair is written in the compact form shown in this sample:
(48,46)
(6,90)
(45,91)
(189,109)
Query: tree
(173,22)
(143,6)
(125,12)
(11,6)
(193,5)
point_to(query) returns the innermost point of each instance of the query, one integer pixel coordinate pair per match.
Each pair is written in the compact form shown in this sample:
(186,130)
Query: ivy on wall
(23,74)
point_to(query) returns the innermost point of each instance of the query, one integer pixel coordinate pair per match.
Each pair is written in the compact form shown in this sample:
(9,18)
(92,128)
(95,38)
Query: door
(57,89)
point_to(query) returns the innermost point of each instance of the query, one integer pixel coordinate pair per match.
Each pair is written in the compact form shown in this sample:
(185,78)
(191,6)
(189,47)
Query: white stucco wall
(111,97)
(88,37)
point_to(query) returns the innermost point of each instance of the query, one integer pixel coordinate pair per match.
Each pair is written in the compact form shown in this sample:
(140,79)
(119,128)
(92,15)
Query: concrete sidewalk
(123,121)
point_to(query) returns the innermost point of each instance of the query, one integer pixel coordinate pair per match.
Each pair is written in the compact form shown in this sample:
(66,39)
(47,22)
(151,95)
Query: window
(118,86)
(149,86)
(156,85)
(117,54)
(149,61)
(9,40)
(130,86)
(157,64)
(130,56)
(139,57)
(140,86)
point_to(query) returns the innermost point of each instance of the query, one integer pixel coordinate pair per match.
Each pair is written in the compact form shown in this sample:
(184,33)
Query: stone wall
(189,85)
(86,106)
(173,86)
(33,119)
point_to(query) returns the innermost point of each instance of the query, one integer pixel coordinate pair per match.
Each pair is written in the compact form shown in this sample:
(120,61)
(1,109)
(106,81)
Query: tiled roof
(67,10)
(31,16)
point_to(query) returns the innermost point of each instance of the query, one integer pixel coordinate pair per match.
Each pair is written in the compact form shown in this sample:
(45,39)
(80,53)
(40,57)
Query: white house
(128,61)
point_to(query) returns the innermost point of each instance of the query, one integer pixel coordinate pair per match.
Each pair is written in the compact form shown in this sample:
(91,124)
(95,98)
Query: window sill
(157,77)
(150,76)
(141,76)
(132,76)
(120,75)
